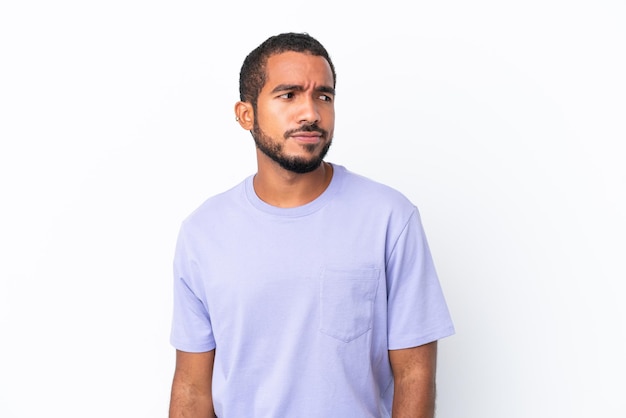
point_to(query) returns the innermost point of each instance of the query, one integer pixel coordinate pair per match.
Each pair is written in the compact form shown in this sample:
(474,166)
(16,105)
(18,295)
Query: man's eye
(286,96)
(326,98)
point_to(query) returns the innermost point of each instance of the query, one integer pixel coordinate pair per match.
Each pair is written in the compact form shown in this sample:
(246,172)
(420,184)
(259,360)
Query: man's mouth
(307,137)
(308,133)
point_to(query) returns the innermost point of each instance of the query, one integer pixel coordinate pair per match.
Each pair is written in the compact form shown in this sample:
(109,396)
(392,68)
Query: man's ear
(244,114)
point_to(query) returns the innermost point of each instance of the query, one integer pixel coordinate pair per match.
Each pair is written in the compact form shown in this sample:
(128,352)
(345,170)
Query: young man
(306,290)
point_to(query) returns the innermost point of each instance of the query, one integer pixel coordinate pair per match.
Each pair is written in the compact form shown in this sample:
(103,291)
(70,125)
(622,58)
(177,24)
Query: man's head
(253,73)
(287,89)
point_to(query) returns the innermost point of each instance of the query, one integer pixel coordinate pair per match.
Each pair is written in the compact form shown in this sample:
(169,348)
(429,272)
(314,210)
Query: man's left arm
(414,371)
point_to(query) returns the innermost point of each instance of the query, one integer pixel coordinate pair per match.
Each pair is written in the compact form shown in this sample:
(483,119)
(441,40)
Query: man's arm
(191,389)
(414,372)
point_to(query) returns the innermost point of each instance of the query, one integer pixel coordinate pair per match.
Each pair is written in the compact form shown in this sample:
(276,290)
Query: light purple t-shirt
(302,304)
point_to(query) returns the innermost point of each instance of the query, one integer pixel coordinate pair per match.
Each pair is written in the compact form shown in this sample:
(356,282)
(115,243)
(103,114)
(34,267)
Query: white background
(502,121)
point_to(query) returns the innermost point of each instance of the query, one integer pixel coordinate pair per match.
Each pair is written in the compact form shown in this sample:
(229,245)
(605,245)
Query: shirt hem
(421,340)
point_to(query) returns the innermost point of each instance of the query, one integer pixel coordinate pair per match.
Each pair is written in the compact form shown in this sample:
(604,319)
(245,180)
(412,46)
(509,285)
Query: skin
(191,389)
(298,93)
(414,372)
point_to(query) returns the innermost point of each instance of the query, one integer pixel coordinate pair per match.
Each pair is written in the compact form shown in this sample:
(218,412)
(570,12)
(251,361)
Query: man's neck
(286,189)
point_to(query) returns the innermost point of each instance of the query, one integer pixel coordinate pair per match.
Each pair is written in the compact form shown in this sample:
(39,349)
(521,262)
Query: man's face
(295,115)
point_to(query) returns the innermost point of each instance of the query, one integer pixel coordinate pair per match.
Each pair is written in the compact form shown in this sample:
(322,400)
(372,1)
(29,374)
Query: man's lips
(310,137)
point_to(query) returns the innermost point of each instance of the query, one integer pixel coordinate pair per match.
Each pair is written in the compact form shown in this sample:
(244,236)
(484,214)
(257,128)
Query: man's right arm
(191,389)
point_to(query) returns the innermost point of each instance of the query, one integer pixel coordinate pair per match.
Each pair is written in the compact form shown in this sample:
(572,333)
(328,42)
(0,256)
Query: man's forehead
(298,67)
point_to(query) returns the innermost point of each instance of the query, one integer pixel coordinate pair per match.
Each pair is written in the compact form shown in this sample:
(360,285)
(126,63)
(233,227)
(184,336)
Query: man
(306,290)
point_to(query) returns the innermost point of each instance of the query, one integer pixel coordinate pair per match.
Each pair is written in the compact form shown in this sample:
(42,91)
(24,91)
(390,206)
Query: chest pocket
(347,302)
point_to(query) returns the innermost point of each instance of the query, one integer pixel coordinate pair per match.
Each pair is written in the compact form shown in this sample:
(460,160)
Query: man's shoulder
(223,202)
(360,187)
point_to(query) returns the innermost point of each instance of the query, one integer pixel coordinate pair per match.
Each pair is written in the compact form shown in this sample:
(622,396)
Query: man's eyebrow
(285,87)
(299,88)
(326,89)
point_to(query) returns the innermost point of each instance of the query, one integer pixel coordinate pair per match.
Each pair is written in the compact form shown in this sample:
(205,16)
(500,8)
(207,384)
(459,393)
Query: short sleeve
(417,310)
(191,324)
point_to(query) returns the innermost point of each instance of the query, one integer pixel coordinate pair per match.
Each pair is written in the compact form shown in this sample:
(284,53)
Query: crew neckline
(303,210)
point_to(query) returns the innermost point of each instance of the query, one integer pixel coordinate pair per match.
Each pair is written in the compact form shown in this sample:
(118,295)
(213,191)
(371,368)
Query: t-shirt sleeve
(191,324)
(417,310)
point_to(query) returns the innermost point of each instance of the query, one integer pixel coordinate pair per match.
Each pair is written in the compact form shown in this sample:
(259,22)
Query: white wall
(502,121)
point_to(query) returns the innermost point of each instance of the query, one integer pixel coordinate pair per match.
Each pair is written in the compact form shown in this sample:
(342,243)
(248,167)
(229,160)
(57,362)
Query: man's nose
(309,112)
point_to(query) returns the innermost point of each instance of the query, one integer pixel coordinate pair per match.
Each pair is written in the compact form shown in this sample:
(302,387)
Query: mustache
(307,128)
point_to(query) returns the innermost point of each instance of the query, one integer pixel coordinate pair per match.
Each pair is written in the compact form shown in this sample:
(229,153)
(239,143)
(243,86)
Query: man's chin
(300,166)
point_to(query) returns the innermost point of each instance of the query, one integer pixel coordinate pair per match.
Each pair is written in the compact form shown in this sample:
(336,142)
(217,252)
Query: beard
(274,149)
